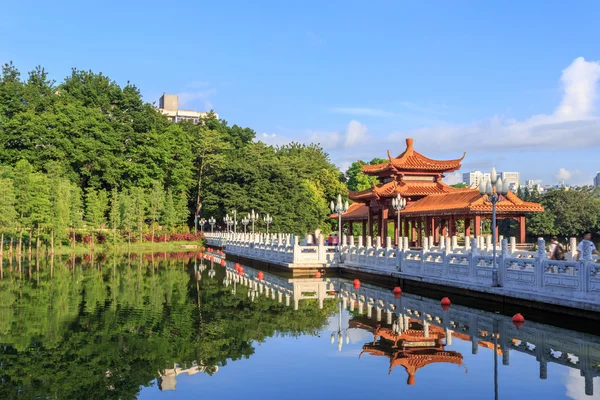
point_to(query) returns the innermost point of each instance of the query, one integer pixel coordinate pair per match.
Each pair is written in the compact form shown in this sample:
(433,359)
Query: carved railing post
(502,270)
(539,264)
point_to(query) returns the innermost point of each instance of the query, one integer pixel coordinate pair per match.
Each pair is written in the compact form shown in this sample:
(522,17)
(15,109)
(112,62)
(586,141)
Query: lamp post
(234,212)
(212,222)
(268,220)
(202,222)
(245,222)
(339,208)
(228,222)
(398,204)
(253,217)
(495,190)
(340,331)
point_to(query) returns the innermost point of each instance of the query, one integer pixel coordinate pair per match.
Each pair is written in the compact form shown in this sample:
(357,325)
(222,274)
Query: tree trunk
(92,240)
(10,247)
(141,233)
(20,246)
(153,231)
(1,247)
(37,242)
(30,240)
(129,240)
(52,242)
(198,199)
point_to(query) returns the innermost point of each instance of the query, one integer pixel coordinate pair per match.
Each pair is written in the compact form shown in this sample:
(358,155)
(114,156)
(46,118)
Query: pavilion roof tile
(411,160)
(468,201)
(404,189)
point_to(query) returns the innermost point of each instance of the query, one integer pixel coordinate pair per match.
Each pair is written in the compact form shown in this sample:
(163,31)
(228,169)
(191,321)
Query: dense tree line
(568,212)
(88,153)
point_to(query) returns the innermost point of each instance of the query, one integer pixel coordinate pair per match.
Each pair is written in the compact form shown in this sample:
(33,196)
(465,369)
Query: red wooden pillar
(467,227)
(522,235)
(420,228)
(436,232)
(477,225)
(444,227)
(405,230)
(370,222)
(364,228)
(451,226)
(385,231)
(396,235)
(413,233)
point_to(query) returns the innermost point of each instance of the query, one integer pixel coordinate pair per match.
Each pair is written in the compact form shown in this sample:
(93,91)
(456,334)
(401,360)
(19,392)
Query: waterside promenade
(524,275)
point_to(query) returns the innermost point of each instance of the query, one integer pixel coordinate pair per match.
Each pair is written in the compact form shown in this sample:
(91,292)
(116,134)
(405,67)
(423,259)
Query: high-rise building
(597,180)
(168,104)
(513,179)
(474,178)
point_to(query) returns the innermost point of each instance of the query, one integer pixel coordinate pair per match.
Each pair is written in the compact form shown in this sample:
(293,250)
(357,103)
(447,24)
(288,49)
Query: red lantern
(223,263)
(397,292)
(203,248)
(356,284)
(212,259)
(445,303)
(518,320)
(261,275)
(317,274)
(237,265)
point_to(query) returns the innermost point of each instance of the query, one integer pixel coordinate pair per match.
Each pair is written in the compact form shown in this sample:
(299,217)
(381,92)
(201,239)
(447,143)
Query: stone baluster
(369,310)
(405,243)
(442,243)
(513,245)
(343,240)
(454,242)
(467,244)
(425,244)
(321,248)
(431,242)
(539,266)
(377,242)
(388,243)
(351,241)
(573,248)
(369,243)
(360,241)
(378,308)
(488,243)
(388,317)
(448,246)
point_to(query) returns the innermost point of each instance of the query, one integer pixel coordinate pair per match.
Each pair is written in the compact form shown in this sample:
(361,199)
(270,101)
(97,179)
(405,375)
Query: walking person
(586,242)
(557,251)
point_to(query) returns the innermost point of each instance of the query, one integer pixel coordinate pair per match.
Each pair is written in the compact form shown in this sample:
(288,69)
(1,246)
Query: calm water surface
(174,326)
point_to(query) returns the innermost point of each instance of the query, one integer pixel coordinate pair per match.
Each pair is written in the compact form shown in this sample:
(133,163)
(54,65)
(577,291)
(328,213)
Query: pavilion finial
(409,143)
(389,155)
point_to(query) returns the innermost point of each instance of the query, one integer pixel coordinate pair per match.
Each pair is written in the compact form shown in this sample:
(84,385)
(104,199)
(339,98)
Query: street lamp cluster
(232,221)
(340,208)
(398,204)
(495,190)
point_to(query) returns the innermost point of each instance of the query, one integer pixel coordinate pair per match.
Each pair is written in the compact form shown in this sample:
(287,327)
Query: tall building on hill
(597,180)
(168,104)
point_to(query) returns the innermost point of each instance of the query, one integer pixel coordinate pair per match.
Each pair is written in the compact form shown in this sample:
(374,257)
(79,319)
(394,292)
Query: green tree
(114,215)
(8,212)
(156,200)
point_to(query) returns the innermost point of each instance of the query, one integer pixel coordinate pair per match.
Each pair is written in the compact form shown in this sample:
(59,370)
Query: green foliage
(356,180)
(566,212)
(459,185)
(99,136)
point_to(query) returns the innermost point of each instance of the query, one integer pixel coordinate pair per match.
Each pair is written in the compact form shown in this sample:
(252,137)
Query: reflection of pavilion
(412,347)
(168,379)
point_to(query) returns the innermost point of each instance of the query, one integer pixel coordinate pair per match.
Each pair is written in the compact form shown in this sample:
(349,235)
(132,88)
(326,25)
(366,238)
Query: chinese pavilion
(433,207)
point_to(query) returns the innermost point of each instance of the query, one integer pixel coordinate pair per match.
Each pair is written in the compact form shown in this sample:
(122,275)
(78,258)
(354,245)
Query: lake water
(169,326)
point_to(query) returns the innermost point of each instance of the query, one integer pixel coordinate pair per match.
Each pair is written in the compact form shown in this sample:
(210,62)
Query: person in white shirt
(587,240)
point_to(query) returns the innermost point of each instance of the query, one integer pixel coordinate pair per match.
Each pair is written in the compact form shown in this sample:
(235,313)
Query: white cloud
(563,175)
(572,125)
(188,98)
(355,134)
(453,178)
(362,111)
(272,139)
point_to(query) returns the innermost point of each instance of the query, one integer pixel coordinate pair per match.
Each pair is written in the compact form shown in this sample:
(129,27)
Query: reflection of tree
(100,331)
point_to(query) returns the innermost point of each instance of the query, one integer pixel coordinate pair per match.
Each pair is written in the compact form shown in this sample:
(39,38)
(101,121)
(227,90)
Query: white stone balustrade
(281,249)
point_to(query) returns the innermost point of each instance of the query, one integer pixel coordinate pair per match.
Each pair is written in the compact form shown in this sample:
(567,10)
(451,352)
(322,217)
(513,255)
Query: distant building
(168,104)
(513,179)
(474,178)
(597,180)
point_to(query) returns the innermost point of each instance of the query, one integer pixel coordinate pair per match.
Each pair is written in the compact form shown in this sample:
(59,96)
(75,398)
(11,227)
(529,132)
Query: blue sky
(514,84)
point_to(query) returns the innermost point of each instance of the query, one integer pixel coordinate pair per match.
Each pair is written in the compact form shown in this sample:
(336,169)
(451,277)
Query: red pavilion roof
(412,161)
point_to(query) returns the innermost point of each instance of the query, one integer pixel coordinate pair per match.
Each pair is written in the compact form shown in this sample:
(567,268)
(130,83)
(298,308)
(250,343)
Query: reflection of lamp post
(495,331)
(245,222)
(339,208)
(398,204)
(228,222)
(212,222)
(268,220)
(495,190)
(339,332)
